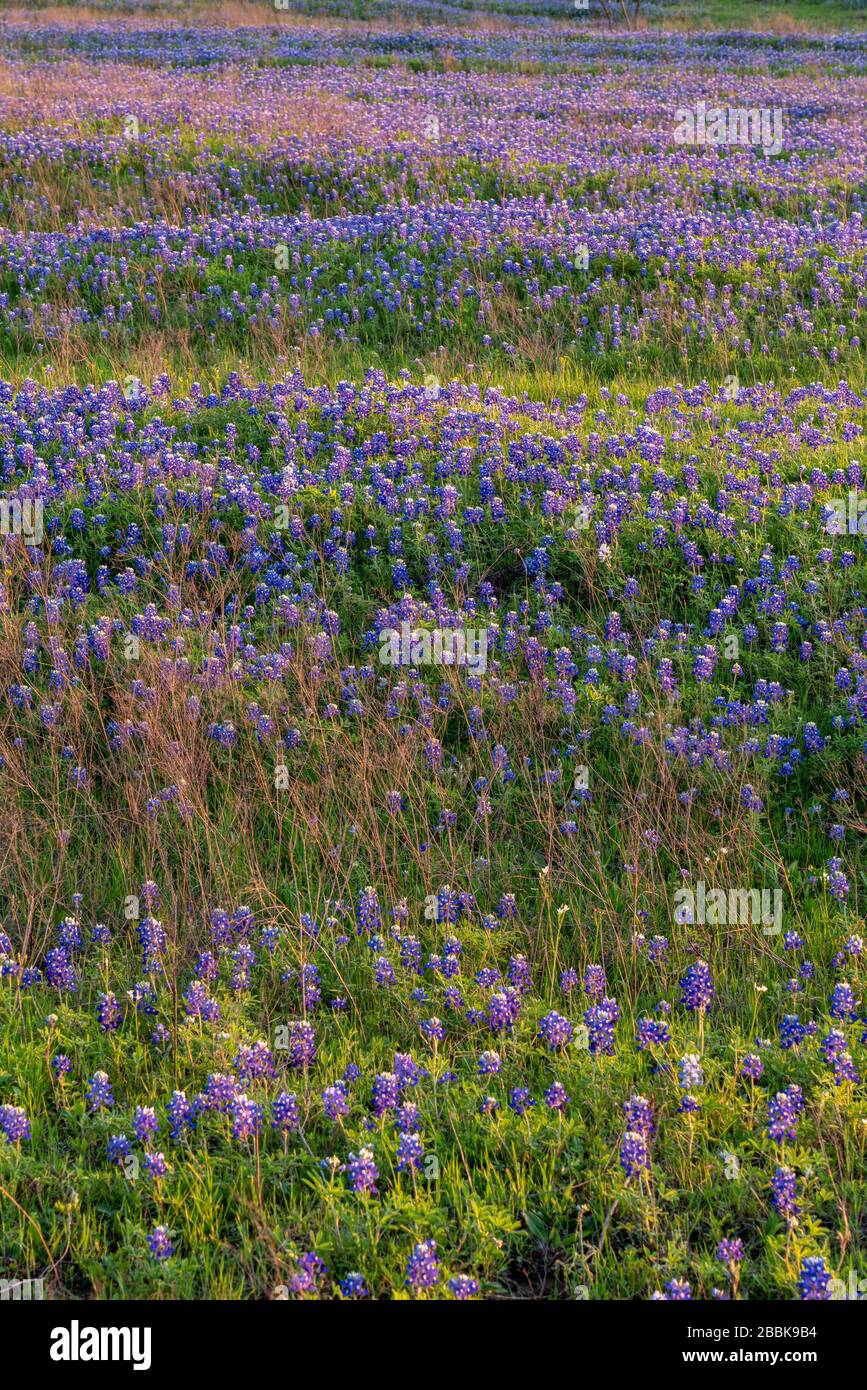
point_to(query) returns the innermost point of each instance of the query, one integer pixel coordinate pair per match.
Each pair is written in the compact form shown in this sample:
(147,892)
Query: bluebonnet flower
(520,1100)
(463,1287)
(639,1114)
(730,1252)
(814,1279)
(784,1187)
(423,1270)
(843,1004)
(752,1066)
(504,1007)
(409,1152)
(595,983)
(690,1072)
(181,1114)
(833,1043)
(556,1097)
(14,1123)
(678,1291)
(335,1100)
(634,1158)
(302,1045)
(363,1172)
(160,1243)
(383,973)
(155,1165)
(309,1273)
(489,1064)
(838,884)
(152,939)
(145,1123)
(784,1110)
(354,1286)
(407,1118)
(792,1032)
(406,1070)
(369,911)
(100,1094)
(696,987)
(555,1030)
(198,1003)
(286,1113)
(652,1033)
(118,1149)
(220,1090)
(254,1061)
(59,971)
(599,1020)
(386,1092)
(845,1069)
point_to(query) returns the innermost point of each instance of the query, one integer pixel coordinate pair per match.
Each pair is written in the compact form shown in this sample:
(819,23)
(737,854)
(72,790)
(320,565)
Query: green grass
(535,1205)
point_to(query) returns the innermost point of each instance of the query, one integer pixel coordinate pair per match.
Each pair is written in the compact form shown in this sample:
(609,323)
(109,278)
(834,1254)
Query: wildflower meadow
(433,651)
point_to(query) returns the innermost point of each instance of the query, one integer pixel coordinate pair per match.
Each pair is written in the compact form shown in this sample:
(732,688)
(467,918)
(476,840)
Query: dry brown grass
(228,14)
(779,22)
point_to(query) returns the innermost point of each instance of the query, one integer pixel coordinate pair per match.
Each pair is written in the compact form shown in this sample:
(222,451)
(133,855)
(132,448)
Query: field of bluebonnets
(433,654)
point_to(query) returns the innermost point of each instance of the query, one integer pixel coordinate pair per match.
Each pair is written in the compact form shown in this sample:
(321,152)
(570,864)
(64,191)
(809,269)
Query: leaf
(535,1226)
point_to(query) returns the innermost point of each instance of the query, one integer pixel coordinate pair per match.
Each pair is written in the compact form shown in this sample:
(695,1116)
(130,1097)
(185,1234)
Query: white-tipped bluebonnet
(363,1172)
(814,1280)
(100,1094)
(309,1273)
(784,1110)
(286,1113)
(354,1286)
(556,1096)
(410,1152)
(463,1287)
(246,1117)
(634,1158)
(422,1269)
(696,987)
(145,1123)
(14,1123)
(160,1243)
(784,1187)
(555,1030)
(520,1100)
